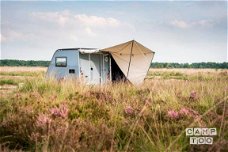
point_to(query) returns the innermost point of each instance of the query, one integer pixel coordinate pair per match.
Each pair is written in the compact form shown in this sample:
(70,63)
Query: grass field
(46,115)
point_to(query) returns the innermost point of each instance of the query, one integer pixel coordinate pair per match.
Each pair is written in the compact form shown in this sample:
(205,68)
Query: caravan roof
(82,50)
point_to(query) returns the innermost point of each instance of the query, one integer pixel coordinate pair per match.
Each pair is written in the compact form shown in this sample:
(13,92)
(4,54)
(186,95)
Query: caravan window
(61,61)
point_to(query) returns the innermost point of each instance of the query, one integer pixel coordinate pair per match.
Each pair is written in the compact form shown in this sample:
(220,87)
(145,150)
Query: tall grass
(47,115)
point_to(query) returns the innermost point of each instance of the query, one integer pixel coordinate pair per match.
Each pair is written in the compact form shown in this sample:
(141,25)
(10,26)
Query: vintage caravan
(129,61)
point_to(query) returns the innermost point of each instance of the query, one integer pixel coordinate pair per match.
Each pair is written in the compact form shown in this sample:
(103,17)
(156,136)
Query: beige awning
(133,58)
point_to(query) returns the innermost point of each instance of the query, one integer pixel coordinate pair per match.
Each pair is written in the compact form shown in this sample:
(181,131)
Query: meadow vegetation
(47,115)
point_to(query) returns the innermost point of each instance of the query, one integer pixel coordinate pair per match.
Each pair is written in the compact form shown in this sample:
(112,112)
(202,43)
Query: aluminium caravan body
(90,65)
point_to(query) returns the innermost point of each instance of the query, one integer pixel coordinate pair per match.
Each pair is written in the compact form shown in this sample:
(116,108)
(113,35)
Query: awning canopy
(133,58)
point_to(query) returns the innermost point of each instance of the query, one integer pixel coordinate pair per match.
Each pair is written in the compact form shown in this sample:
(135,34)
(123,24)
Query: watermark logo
(201,135)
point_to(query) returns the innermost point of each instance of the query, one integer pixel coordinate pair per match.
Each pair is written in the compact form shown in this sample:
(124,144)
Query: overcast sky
(177,31)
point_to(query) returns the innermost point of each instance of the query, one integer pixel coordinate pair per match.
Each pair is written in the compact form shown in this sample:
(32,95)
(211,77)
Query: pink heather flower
(193,95)
(43,120)
(129,110)
(184,111)
(173,114)
(62,111)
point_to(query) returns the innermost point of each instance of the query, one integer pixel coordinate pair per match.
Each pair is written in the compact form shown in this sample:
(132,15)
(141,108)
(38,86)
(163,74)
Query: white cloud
(90,32)
(79,25)
(2,38)
(180,24)
(11,35)
(71,27)
(53,17)
(96,20)
(66,17)
(185,24)
(205,23)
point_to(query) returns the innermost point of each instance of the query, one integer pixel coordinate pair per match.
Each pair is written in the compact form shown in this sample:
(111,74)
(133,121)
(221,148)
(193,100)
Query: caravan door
(95,69)
(105,58)
(85,68)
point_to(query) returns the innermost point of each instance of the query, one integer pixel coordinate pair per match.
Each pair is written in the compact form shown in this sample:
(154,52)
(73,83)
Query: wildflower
(62,111)
(43,120)
(129,110)
(193,95)
(184,112)
(173,114)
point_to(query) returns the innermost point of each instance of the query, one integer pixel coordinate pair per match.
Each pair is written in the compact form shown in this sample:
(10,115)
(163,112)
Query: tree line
(202,65)
(24,63)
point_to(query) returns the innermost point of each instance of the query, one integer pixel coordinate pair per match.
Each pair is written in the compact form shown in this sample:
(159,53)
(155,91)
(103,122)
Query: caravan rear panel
(64,64)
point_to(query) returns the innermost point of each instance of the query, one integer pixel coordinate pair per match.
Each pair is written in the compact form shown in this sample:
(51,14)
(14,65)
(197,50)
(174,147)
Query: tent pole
(110,70)
(130,59)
